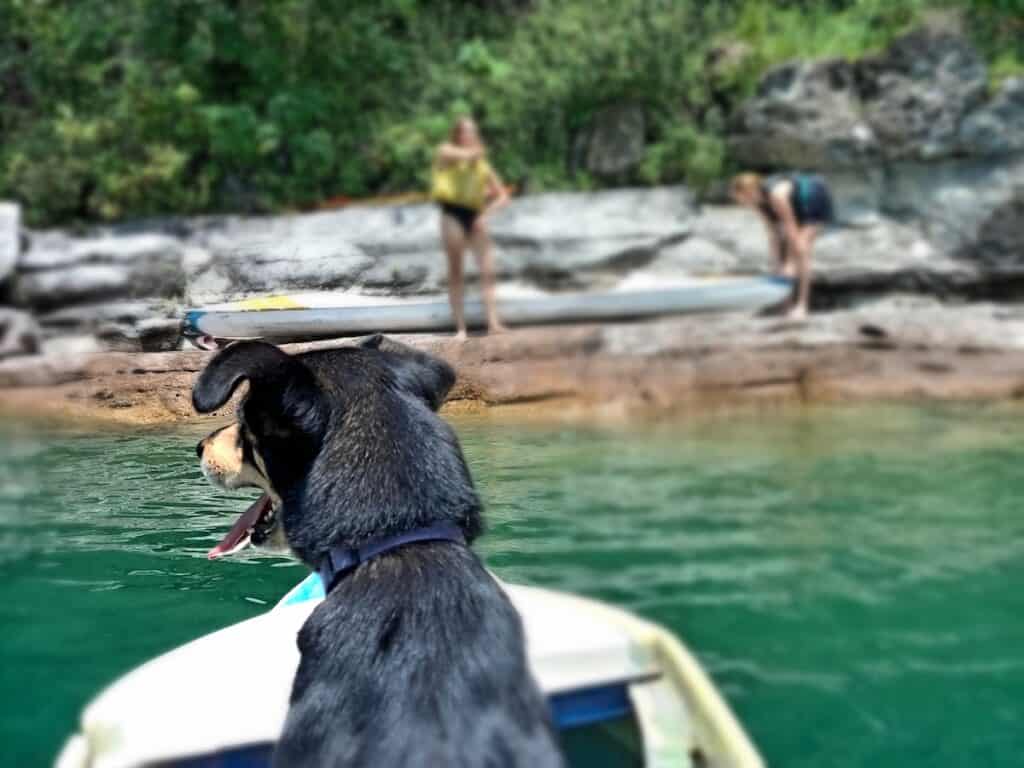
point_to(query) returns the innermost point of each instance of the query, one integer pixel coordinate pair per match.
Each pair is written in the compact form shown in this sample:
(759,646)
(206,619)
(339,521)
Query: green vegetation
(119,108)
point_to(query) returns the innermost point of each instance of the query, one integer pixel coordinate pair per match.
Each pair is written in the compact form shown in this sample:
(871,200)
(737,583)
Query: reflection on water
(852,578)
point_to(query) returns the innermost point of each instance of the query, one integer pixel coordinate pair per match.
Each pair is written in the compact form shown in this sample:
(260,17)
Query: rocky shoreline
(919,289)
(661,368)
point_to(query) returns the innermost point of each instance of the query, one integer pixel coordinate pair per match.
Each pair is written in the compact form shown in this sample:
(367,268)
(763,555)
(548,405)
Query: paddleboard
(331,314)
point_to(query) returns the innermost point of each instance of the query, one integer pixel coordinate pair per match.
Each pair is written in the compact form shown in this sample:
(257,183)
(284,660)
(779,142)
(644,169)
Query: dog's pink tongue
(238,537)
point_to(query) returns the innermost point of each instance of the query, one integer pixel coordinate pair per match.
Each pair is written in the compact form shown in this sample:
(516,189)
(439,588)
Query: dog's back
(416,659)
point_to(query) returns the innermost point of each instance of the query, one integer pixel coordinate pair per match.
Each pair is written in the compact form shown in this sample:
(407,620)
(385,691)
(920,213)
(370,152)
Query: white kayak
(333,314)
(620,688)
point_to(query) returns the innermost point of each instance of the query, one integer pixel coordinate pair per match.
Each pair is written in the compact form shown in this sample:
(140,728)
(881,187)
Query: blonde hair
(745,184)
(465,122)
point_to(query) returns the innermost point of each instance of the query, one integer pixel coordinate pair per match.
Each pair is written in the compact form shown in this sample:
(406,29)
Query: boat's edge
(719,724)
(716,730)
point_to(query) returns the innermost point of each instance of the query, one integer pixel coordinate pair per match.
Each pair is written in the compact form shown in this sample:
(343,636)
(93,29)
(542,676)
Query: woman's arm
(497,195)
(779,200)
(452,153)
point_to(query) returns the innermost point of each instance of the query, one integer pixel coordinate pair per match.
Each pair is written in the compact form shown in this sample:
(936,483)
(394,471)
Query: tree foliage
(119,108)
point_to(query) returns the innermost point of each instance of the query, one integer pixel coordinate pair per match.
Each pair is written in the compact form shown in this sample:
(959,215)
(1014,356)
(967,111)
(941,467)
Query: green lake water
(853,579)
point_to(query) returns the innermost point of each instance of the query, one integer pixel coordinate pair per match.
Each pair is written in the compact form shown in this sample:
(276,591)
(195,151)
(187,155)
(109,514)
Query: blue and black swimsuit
(809,197)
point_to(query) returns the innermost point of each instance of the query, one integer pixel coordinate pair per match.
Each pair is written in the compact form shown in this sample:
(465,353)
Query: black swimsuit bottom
(465,216)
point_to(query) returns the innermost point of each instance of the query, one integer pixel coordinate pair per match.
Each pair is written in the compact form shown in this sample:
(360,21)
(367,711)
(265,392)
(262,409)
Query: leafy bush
(112,109)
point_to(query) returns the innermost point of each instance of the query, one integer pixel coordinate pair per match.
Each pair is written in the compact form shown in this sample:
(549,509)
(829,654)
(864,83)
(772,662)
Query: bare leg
(803,271)
(783,252)
(480,242)
(454,246)
(787,261)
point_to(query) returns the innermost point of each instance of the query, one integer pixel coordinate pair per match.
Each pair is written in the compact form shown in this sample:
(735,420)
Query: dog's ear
(281,388)
(416,372)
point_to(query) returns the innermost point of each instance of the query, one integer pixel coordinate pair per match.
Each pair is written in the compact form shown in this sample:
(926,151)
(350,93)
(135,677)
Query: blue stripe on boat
(573,709)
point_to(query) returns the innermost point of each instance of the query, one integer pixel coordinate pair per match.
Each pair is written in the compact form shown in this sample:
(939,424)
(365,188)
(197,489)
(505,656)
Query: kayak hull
(296,321)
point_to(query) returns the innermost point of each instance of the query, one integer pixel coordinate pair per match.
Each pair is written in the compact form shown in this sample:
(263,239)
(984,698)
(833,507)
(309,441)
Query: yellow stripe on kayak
(269,302)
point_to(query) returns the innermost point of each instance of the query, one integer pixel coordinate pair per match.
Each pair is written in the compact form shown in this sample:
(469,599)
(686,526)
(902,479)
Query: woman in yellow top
(468,191)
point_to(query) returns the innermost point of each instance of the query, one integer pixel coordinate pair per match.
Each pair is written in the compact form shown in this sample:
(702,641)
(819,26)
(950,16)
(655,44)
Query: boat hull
(287,317)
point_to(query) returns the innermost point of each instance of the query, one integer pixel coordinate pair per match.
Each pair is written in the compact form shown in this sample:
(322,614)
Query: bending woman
(794,207)
(468,191)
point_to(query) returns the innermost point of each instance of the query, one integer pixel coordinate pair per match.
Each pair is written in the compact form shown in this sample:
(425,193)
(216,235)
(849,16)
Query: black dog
(416,657)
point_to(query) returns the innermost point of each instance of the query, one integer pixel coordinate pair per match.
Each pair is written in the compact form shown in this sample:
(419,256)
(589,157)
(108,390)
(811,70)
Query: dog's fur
(417,657)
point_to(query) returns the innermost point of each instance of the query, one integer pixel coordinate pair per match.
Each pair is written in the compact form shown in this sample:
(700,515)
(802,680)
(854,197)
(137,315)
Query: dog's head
(345,444)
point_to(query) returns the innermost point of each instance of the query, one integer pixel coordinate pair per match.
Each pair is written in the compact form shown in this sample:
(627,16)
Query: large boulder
(735,230)
(10,238)
(58,270)
(19,333)
(996,128)
(881,256)
(858,194)
(553,240)
(906,103)
(615,143)
(320,251)
(96,317)
(951,200)
(916,93)
(998,244)
(804,115)
(51,288)
(702,257)
(887,257)
(153,334)
(566,238)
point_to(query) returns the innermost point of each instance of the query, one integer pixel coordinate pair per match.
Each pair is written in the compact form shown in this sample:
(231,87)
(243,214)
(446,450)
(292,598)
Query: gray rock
(278,254)
(738,231)
(155,334)
(700,256)
(615,145)
(999,242)
(880,250)
(52,288)
(559,238)
(10,238)
(555,239)
(89,317)
(804,115)
(52,249)
(402,274)
(906,103)
(882,256)
(950,200)
(855,263)
(858,194)
(58,270)
(916,93)
(55,249)
(61,351)
(58,287)
(996,128)
(19,334)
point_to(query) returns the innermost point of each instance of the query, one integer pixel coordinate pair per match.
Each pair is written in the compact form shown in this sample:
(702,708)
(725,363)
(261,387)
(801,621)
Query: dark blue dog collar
(340,560)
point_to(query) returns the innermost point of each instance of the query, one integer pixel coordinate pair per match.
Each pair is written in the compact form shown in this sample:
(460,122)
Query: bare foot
(496,326)
(460,336)
(797,312)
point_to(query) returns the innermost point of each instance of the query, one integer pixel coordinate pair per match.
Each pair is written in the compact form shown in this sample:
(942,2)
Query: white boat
(623,691)
(332,314)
